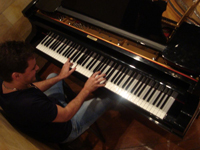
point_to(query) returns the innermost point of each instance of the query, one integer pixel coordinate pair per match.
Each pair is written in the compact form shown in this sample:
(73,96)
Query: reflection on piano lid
(132,19)
(183,51)
(130,54)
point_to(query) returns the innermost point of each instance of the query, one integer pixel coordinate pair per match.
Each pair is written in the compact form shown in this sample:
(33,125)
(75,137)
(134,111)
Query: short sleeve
(43,110)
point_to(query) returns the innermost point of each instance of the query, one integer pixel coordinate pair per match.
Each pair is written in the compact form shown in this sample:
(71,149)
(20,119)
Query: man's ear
(15,76)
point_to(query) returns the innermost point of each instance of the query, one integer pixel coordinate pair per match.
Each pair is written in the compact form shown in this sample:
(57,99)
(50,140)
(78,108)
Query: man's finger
(96,73)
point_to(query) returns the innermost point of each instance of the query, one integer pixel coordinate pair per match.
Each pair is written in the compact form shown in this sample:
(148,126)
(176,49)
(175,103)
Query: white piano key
(123,82)
(149,105)
(160,111)
(154,109)
(168,104)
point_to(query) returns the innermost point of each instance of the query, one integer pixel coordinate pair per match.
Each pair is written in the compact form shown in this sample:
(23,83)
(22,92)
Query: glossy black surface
(48,5)
(183,51)
(140,17)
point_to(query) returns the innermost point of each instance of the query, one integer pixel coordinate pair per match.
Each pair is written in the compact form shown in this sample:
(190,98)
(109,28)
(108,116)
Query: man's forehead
(32,62)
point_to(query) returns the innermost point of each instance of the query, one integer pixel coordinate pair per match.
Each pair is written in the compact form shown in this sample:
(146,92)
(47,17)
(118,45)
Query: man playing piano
(39,108)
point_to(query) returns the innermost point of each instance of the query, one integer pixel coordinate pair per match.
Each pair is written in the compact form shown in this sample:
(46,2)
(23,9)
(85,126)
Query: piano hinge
(92,38)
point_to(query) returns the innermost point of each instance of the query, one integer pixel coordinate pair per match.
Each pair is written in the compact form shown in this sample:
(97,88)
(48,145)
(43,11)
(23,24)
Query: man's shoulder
(31,93)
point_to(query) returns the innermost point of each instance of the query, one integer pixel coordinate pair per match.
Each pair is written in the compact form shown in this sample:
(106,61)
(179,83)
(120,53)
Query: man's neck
(8,87)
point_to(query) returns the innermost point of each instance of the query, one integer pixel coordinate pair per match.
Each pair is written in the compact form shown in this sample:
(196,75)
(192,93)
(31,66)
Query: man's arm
(64,73)
(66,113)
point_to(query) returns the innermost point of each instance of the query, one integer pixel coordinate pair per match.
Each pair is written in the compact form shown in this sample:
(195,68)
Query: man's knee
(51,75)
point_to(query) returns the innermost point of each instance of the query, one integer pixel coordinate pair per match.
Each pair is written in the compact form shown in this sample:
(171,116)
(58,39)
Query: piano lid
(128,18)
(184,50)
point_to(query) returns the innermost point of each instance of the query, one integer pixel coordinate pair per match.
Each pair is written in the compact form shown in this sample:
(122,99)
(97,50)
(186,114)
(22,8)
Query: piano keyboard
(142,91)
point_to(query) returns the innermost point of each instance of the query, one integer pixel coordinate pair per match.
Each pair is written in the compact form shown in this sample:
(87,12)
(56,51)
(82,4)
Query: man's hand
(65,71)
(95,81)
(65,114)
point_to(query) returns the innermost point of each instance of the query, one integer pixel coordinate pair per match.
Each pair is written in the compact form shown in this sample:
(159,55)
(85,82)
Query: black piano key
(151,84)
(165,92)
(71,51)
(60,40)
(139,79)
(52,40)
(62,48)
(83,57)
(95,61)
(53,45)
(123,75)
(112,71)
(116,77)
(91,61)
(144,90)
(95,55)
(81,50)
(112,75)
(161,88)
(129,78)
(111,66)
(46,37)
(97,64)
(62,45)
(77,52)
(68,50)
(105,65)
(154,90)
(146,81)
(119,74)
(169,94)
(124,78)
(87,58)
(100,65)
(132,79)
(49,40)
(139,86)
(80,55)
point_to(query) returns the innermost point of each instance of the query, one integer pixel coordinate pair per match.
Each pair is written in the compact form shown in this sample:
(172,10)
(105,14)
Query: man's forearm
(46,84)
(65,114)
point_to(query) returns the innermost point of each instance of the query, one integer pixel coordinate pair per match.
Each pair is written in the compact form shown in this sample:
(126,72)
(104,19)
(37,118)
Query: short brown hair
(14,56)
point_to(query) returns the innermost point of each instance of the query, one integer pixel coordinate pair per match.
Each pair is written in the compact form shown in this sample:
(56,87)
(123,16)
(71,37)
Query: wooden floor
(122,129)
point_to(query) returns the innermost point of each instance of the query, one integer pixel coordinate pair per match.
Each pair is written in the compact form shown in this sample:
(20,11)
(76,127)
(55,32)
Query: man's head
(14,57)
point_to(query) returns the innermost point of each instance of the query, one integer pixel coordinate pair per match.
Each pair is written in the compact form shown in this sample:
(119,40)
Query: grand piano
(151,62)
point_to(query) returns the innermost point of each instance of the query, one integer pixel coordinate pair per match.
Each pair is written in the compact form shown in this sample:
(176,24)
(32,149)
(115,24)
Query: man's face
(29,75)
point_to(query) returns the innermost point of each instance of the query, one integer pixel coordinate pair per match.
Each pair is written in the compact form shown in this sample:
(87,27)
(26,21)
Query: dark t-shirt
(33,112)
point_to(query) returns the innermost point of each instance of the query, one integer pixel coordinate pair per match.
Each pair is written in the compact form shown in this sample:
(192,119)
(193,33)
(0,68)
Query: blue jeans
(89,112)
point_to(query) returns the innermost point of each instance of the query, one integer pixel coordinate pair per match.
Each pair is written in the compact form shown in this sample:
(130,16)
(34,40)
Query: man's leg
(56,91)
(89,112)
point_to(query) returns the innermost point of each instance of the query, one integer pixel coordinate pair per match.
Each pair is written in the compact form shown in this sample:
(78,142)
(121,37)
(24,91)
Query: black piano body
(144,68)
